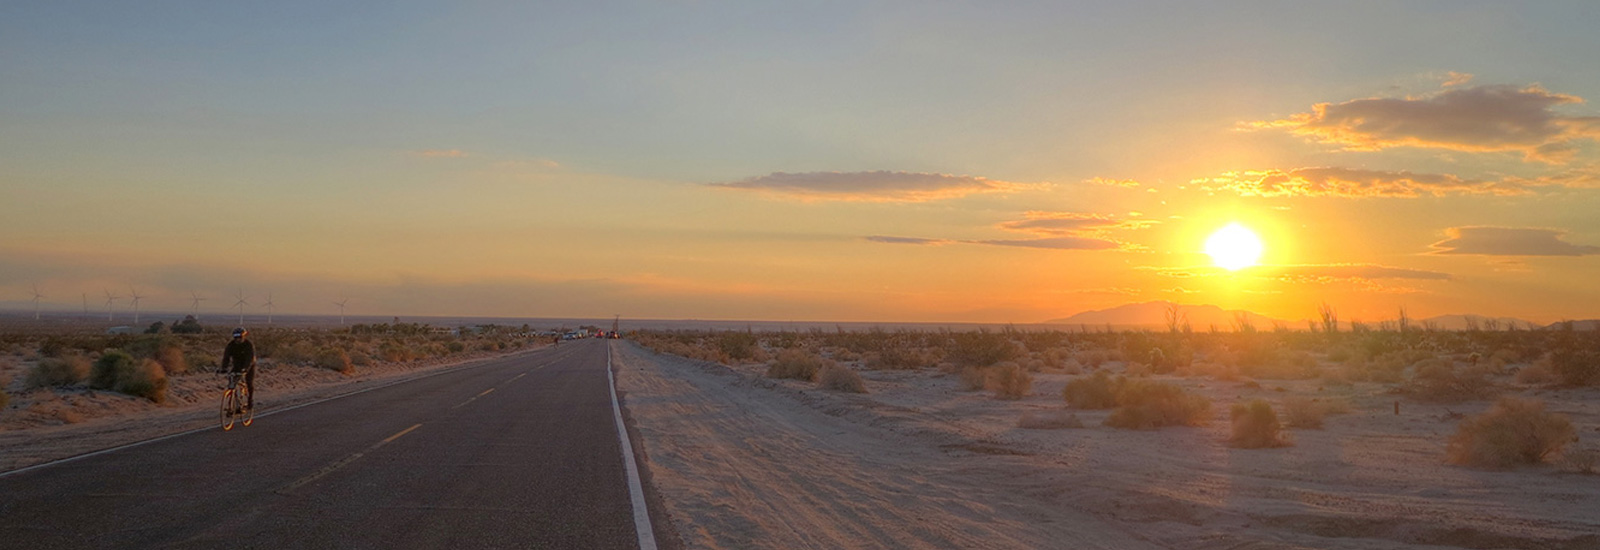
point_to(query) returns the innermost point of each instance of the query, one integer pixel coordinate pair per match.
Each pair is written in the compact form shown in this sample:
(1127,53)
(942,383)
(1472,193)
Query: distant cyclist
(240,356)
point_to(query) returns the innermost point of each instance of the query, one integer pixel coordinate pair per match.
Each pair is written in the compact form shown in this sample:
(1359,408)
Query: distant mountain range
(1153,315)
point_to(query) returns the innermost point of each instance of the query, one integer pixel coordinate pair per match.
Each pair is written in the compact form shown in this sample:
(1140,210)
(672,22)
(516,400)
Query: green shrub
(1513,432)
(980,348)
(1145,405)
(457,347)
(110,367)
(1095,392)
(334,359)
(795,364)
(1255,426)
(59,371)
(737,345)
(838,377)
(1010,381)
(146,380)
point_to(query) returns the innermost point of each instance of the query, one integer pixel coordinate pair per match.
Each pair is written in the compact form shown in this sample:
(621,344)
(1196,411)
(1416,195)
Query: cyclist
(240,356)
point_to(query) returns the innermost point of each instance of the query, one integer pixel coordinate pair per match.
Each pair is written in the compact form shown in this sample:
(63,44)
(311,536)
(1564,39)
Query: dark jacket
(241,354)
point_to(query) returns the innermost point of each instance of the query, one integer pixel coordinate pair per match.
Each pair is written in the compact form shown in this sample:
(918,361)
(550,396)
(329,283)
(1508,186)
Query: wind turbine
(109,299)
(240,304)
(135,293)
(197,300)
(36,297)
(341,303)
(269,308)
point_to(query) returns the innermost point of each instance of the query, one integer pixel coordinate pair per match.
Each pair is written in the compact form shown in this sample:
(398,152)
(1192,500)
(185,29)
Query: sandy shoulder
(747,462)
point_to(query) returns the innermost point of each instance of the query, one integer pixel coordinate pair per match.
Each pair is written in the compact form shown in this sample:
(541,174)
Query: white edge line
(641,515)
(262,415)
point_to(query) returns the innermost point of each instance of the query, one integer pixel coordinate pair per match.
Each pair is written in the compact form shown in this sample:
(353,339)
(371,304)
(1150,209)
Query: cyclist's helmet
(240,332)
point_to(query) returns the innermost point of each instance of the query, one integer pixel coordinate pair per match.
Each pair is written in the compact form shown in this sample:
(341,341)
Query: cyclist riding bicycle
(240,356)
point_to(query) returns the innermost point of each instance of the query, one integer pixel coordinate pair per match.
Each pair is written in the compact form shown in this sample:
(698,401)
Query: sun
(1233,247)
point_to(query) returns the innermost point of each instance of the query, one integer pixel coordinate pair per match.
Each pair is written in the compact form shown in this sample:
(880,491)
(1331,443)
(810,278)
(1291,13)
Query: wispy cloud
(1489,118)
(1070,223)
(438,154)
(1509,241)
(1452,78)
(879,186)
(904,240)
(1351,182)
(1055,243)
(1112,182)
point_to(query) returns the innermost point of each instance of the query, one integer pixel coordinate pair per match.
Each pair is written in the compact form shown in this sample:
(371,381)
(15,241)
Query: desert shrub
(59,371)
(1538,373)
(834,376)
(1092,359)
(298,353)
(1305,412)
(117,371)
(1010,381)
(172,359)
(894,357)
(1576,367)
(1514,431)
(973,378)
(980,348)
(457,347)
(334,359)
(1255,426)
(1439,380)
(1049,420)
(360,358)
(1095,392)
(738,346)
(796,364)
(1145,405)
(111,366)
(5,399)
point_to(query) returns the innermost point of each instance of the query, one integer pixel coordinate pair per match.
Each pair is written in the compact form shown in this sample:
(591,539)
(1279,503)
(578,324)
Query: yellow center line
(485,392)
(343,462)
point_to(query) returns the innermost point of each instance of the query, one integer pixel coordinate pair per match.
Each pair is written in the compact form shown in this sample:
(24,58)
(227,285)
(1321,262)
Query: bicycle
(234,398)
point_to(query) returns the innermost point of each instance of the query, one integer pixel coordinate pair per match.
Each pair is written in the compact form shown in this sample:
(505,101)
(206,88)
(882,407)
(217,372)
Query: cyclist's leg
(250,380)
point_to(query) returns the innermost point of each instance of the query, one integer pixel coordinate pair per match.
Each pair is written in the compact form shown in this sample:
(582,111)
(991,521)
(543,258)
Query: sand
(743,461)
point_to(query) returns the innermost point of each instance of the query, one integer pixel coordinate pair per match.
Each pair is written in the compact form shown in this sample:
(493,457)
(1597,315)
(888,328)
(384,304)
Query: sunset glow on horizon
(895,163)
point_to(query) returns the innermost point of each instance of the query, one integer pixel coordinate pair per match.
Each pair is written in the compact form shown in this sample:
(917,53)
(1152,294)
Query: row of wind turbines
(133,295)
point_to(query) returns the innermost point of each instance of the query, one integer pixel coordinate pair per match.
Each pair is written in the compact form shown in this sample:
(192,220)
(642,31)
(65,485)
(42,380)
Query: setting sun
(1233,247)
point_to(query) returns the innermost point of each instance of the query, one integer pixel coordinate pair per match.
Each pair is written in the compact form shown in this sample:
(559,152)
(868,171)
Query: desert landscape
(925,453)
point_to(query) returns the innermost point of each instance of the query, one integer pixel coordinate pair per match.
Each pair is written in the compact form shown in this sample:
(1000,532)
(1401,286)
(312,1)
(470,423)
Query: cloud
(903,240)
(438,153)
(879,186)
(1509,241)
(1452,78)
(1112,182)
(1055,243)
(1490,118)
(1352,182)
(1067,223)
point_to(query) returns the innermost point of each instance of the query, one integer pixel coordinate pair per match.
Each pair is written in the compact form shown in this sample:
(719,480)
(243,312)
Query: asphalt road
(519,452)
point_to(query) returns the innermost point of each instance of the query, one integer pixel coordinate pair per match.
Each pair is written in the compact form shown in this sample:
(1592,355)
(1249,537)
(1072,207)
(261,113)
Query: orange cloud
(1509,241)
(1491,118)
(879,186)
(1112,182)
(1309,273)
(1350,182)
(1067,223)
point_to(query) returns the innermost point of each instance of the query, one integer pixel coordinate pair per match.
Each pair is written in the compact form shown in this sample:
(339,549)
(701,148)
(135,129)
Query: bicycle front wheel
(230,404)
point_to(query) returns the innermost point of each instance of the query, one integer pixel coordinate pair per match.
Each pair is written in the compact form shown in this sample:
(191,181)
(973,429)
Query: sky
(806,161)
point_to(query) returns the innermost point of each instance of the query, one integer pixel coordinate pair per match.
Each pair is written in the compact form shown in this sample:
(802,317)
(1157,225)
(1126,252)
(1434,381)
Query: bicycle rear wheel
(244,401)
(230,404)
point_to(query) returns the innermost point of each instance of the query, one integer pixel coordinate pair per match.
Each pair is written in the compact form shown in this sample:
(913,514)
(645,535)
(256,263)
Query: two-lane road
(520,452)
